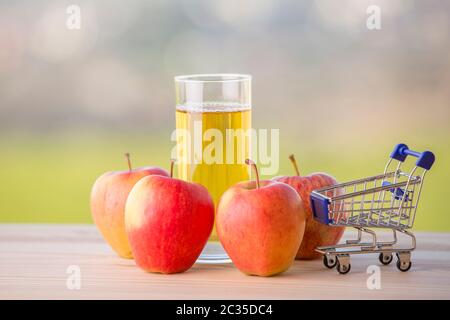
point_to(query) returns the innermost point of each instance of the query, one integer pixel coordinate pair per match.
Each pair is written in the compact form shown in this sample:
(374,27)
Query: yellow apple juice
(213,141)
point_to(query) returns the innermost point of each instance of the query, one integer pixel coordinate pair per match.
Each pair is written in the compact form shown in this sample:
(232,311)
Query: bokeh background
(73,101)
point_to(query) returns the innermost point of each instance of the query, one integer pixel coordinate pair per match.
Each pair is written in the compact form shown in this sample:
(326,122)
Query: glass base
(213,253)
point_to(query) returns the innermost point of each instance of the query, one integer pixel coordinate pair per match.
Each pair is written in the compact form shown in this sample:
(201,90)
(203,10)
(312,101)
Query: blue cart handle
(425,159)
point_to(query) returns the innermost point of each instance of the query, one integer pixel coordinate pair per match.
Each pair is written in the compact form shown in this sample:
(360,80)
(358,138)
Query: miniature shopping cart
(387,201)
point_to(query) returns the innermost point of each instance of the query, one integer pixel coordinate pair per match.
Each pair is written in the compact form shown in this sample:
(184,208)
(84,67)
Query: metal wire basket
(388,200)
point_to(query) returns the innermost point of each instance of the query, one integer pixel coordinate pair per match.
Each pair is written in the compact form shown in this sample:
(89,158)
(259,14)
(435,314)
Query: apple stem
(127,156)
(294,163)
(255,169)
(172,162)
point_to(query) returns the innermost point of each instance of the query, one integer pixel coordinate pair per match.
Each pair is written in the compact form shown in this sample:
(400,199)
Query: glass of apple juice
(213,122)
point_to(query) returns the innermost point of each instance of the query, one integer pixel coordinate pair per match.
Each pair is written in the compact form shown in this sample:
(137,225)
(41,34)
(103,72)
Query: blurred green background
(73,101)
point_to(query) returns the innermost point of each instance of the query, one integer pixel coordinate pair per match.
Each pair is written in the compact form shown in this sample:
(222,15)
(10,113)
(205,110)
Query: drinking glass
(213,121)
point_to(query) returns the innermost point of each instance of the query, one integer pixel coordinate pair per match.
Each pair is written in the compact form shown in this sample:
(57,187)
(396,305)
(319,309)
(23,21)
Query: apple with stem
(168,222)
(316,233)
(260,225)
(108,197)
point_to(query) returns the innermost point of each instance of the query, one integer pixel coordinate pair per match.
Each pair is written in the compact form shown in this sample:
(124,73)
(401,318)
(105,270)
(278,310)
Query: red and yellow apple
(108,197)
(168,222)
(260,225)
(316,233)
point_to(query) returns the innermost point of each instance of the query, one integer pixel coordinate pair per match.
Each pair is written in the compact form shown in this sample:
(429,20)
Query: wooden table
(34,260)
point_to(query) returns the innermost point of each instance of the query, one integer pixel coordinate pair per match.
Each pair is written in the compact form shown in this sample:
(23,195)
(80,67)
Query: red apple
(316,233)
(108,197)
(261,225)
(168,222)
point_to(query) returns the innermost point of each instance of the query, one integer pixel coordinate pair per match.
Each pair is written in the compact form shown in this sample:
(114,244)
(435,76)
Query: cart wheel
(343,268)
(403,266)
(385,258)
(404,261)
(329,261)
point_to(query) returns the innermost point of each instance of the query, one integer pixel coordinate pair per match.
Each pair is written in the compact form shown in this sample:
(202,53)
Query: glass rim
(213,77)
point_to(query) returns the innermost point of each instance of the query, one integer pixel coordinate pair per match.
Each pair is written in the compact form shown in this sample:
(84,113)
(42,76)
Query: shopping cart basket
(387,201)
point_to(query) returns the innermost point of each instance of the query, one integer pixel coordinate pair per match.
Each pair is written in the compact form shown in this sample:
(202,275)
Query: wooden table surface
(34,260)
